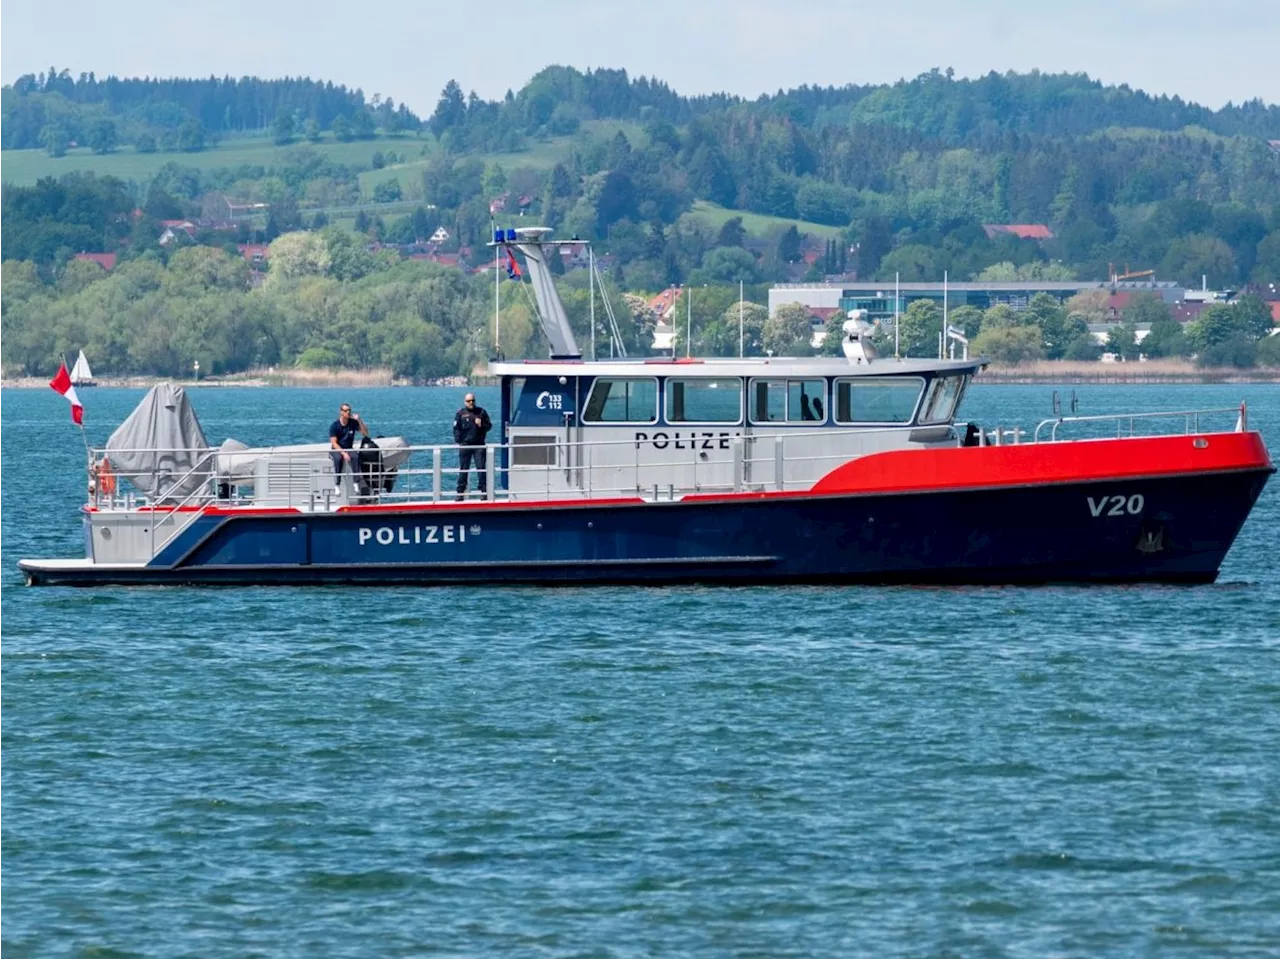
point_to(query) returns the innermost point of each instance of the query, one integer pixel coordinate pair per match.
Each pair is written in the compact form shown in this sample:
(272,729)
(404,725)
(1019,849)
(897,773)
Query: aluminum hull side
(1174,529)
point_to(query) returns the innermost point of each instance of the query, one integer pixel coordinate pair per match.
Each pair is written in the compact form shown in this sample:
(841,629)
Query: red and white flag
(62,384)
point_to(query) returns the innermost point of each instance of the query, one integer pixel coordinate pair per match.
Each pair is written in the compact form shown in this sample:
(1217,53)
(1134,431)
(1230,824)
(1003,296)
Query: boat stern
(117,542)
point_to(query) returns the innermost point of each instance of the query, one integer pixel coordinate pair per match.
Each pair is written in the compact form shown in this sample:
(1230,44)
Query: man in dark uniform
(342,437)
(471,425)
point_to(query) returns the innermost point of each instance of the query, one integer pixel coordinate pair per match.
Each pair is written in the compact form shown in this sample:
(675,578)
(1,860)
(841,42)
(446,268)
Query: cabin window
(768,401)
(867,399)
(514,389)
(622,400)
(806,401)
(704,400)
(788,401)
(940,404)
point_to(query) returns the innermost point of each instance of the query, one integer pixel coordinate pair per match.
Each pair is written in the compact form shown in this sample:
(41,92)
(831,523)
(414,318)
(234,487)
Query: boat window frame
(514,390)
(657,402)
(935,386)
(668,394)
(827,416)
(920,380)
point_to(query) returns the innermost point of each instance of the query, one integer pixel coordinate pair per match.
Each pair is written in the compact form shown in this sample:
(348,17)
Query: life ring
(106,478)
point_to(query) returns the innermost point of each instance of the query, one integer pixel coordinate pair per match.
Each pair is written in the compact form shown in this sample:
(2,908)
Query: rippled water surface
(675,771)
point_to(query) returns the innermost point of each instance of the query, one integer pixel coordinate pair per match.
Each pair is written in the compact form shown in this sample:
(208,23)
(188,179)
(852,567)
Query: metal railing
(1190,425)
(564,469)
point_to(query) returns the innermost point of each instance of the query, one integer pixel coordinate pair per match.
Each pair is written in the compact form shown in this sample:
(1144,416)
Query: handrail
(557,443)
(177,507)
(1189,415)
(98,454)
(749,460)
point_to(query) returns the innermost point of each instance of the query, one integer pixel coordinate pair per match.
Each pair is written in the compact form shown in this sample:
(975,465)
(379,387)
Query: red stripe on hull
(1035,463)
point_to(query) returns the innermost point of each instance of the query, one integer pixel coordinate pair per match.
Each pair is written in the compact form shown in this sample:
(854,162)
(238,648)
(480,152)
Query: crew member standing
(342,437)
(471,425)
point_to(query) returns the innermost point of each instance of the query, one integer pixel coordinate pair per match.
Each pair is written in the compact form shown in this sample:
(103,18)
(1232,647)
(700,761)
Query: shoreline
(1161,371)
(1154,372)
(318,379)
(1207,378)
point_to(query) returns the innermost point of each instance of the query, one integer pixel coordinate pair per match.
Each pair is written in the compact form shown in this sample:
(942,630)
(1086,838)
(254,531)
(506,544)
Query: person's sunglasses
(344,410)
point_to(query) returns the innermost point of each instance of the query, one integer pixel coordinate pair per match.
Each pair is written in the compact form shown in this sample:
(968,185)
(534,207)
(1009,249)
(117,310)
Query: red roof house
(1186,311)
(254,252)
(662,304)
(435,256)
(1023,231)
(105,260)
(823,313)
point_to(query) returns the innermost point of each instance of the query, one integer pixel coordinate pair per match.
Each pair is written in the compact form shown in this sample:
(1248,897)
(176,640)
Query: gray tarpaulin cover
(164,425)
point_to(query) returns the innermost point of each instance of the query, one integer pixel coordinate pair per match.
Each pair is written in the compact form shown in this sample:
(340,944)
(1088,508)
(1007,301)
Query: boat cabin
(664,426)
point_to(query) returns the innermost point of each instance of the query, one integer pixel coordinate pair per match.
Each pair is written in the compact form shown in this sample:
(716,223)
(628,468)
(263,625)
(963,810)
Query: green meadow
(757,224)
(25,167)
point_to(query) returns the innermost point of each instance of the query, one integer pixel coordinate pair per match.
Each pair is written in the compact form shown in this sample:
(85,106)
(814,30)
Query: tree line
(330,302)
(910,173)
(906,176)
(54,109)
(327,302)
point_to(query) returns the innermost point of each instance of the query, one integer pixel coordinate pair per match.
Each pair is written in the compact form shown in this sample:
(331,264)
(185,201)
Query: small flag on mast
(61,383)
(513,268)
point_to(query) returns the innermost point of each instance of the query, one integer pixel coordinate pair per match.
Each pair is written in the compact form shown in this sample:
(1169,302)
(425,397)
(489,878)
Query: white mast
(591,281)
(741,325)
(688,333)
(896,297)
(497,297)
(942,342)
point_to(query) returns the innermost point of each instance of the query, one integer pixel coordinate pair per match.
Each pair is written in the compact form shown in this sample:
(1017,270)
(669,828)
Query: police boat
(849,469)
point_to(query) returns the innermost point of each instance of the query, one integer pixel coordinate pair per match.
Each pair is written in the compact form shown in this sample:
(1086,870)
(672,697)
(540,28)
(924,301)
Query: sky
(1210,53)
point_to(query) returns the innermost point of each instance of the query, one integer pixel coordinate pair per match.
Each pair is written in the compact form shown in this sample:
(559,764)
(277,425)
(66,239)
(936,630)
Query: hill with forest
(812,183)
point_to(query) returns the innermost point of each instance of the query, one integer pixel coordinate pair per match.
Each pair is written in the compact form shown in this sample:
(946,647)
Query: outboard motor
(368,471)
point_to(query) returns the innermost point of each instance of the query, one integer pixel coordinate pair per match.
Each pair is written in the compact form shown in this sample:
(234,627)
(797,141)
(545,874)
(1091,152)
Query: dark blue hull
(1168,529)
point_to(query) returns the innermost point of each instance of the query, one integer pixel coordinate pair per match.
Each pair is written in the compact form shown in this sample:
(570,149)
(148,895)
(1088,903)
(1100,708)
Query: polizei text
(686,440)
(414,535)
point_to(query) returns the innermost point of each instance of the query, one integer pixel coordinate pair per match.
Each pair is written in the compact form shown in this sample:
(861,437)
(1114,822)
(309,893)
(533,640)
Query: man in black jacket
(471,425)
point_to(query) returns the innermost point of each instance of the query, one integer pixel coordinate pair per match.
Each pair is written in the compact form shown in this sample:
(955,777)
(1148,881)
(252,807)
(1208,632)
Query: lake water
(618,772)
